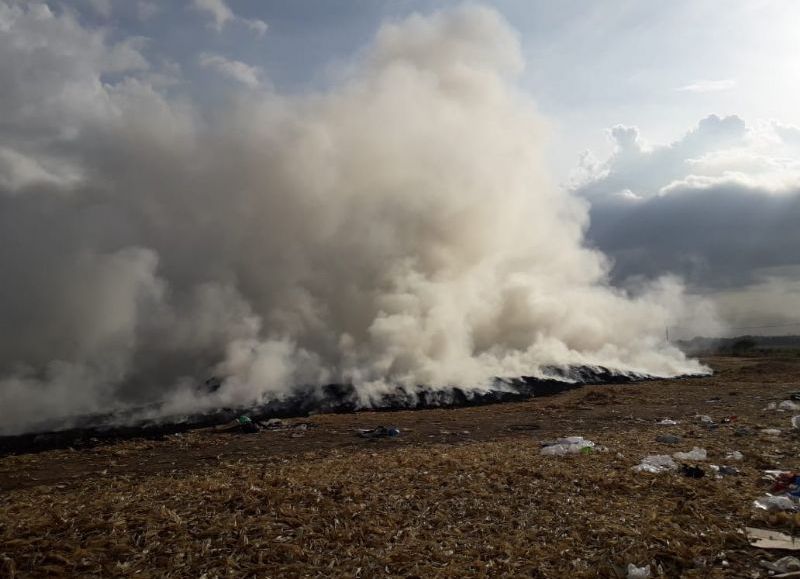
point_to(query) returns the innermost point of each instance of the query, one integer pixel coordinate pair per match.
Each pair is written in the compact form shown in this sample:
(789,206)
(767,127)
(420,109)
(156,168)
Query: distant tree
(743,346)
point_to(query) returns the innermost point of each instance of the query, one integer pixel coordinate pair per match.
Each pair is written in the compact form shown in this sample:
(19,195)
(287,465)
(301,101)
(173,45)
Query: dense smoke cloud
(396,229)
(719,207)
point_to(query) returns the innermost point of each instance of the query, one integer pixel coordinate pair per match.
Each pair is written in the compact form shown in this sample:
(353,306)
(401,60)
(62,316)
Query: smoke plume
(395,229)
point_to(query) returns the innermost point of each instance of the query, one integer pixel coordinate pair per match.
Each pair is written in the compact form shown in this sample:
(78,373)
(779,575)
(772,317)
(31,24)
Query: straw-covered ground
(461,492)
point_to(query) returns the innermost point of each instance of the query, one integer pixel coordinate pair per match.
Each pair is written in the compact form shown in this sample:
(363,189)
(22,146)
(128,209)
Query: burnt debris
(88,431)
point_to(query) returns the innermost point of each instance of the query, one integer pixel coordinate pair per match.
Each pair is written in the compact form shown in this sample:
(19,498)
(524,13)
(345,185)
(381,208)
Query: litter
(656,464)
(704,419)
(635,572)
(735,455)
(278,424)
(667,422)
(723,470)
(729,419)
(783,565)
(773,475)
(668,439)
(771,431)
(379,432)
(787,482)
(772,503)
(695,454)
(241,424)
(693,471)
(795,421)
(788,405)
(569,445)
(767,539)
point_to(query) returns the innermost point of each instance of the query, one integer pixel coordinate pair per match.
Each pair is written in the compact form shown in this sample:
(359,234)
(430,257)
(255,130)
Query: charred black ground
(88,431)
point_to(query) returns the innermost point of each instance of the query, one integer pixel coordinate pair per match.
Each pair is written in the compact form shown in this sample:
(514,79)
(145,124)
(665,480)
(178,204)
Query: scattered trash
(742,431)
(735,455)
(656,463)
(788,405)
(569,445)
(771,503)
(767,539)
(667,422)
(704,419)
(728,419)
(795,396)
(693,471)
(635,572)
(241,424)
(278,424)
(723,470)
(713,400)
(773,475)
(668,438)
(695,454)
(771,431)
(787,482)
(379,432)
(783,565)
(795,421)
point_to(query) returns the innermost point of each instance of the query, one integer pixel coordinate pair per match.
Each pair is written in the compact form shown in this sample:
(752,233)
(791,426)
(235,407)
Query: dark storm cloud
(706,207)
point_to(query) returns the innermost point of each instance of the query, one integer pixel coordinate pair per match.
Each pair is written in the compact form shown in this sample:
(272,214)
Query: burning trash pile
(88,431)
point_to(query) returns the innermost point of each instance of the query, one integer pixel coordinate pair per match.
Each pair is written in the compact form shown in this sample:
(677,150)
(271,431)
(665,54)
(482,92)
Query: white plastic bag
(656,463)
(635,572)
(569,445)
(695,454)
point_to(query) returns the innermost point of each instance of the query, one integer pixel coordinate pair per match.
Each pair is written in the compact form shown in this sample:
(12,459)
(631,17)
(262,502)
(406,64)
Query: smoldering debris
(90,430)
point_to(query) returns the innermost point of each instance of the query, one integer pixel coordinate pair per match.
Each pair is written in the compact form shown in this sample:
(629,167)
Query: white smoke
(396,229)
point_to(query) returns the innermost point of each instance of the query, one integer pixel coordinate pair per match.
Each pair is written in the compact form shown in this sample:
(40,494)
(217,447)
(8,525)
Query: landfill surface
(437,493)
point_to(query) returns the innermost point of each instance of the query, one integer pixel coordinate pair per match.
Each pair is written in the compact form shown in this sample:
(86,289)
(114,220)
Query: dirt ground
(461,492)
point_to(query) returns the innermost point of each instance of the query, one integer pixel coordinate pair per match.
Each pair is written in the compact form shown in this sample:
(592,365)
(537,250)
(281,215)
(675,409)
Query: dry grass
(427,509)
(476,509)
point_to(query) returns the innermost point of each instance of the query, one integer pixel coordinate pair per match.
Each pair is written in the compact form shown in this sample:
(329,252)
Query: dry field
(462,492)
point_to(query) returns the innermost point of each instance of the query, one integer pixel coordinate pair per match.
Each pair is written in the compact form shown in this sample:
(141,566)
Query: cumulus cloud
(719,207)
(239,71)
(101,7)
(146,10)
(221,14)
(258,26)
(217,10)
(396,229)
(704,86)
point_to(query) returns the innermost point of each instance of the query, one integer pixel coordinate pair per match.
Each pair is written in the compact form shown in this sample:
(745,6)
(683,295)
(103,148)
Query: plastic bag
(656,463)
(569,445)
(775,503)
(635,572)
(695,454)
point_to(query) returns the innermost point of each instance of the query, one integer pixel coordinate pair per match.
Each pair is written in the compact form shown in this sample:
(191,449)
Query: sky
(589,65)
(384,193)
(658,69)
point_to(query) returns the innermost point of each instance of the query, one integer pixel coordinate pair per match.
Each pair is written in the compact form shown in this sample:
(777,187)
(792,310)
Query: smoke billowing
(396,229)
